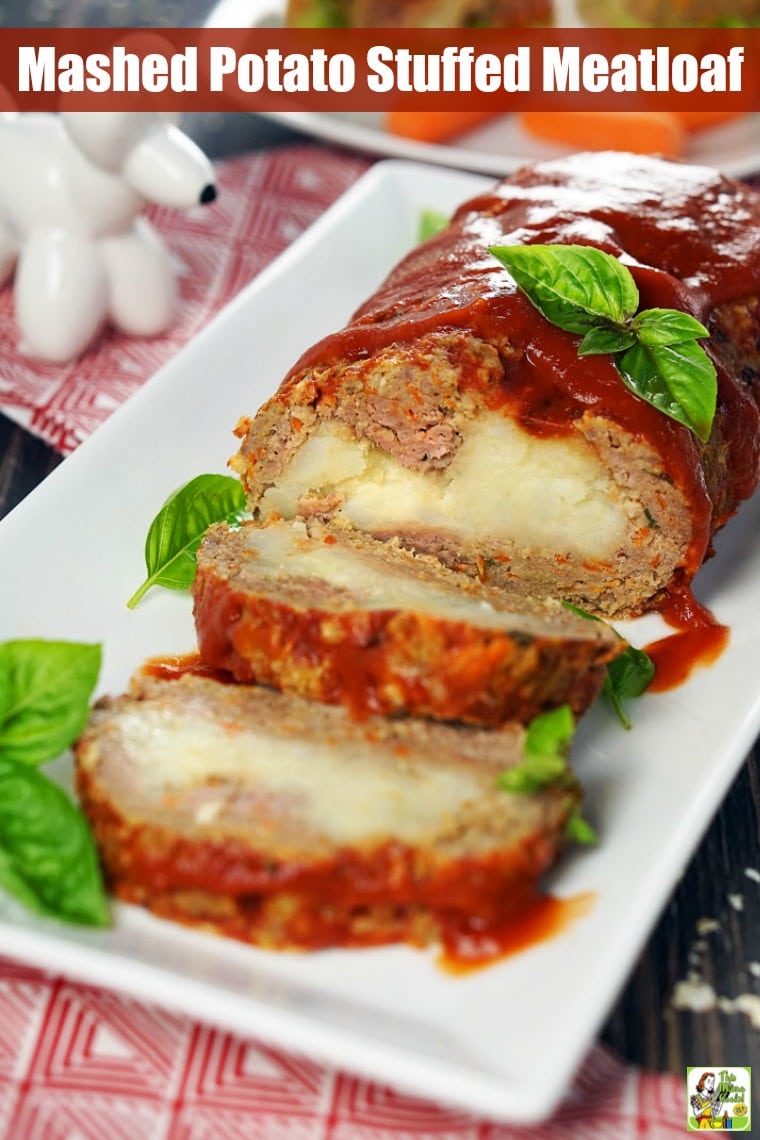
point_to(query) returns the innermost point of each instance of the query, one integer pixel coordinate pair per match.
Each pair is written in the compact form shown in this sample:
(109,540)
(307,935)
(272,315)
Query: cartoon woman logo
(706,1104)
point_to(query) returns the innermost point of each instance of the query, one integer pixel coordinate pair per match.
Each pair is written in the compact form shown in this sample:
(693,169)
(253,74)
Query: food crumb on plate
(695,994)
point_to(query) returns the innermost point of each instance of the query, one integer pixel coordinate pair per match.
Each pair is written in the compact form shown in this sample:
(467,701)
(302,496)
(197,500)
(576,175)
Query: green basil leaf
(550,734)
(631,673)
(606,340)
(544,764)
(677,379)
(579,830)
(47,854)
(576,287)
(45,690)
(666,326)
(627,677)
(431,223)
(5,688)
(581,613)
(177,530)
(583,290)
(534,775)
(13,883)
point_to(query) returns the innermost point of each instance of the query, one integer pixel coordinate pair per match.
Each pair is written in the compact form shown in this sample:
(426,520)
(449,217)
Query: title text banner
(380,69)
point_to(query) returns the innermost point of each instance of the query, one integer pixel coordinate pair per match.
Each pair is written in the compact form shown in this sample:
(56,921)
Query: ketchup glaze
(691,239)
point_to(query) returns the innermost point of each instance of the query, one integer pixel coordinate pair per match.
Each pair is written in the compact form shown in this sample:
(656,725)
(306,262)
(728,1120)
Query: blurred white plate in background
(498,147)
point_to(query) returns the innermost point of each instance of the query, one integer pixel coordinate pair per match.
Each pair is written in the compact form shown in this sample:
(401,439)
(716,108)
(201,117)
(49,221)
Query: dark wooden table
(643,1027)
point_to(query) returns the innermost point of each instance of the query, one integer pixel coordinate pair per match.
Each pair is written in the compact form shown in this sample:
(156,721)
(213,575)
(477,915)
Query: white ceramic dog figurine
(71,189)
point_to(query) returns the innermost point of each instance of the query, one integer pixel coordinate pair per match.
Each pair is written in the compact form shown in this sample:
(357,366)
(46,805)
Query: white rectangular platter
(503,1041)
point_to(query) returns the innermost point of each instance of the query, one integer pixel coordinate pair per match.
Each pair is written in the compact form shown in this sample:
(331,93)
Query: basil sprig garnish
(586,291)
(177,530)
(579,830)
(45,690)
(431,223)
(544,765)
(627,677)
(47,855)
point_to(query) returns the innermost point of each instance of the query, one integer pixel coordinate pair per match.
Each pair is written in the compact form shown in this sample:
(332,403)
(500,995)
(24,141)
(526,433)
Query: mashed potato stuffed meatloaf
(450,414)
(401,779)
(286,823)
(330,614)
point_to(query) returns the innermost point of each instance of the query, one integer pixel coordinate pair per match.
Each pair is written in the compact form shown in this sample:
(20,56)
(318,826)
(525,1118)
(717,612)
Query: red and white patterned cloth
(80,1063)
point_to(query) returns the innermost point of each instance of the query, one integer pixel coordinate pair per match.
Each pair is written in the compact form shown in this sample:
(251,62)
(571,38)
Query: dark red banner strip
(379,69)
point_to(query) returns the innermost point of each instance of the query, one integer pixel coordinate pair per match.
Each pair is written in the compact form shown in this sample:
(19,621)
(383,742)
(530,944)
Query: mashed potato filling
(373,580)
(343,791)
(503,485)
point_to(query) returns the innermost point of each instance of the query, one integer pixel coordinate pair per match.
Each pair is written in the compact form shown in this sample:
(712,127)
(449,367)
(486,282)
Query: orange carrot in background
(699,120)
(435,126)
(642,132)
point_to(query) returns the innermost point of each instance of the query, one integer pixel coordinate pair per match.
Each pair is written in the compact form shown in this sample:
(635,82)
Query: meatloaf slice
(451,414)
(329,614)
(286,823)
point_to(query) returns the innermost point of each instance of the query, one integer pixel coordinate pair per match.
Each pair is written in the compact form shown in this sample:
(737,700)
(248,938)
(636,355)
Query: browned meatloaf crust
(451,414)
(328,614)
(286,823)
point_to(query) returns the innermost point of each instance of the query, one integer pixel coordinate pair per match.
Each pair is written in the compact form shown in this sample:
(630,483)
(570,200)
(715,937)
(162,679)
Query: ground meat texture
(451,415)
(288,824)
(328,614)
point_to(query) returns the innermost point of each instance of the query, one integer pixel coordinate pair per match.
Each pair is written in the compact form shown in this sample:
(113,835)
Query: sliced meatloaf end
(330,614)
(451,414)
(288,824)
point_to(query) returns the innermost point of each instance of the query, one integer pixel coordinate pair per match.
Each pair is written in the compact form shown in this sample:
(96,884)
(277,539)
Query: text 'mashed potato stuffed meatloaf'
(451,414)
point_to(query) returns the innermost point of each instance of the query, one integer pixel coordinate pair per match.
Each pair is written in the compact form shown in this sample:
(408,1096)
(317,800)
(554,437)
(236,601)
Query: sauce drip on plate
(700,641)
(467,948)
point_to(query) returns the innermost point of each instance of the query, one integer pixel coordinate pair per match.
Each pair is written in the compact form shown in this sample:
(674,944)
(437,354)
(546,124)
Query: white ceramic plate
(500,146)
(504,1041)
